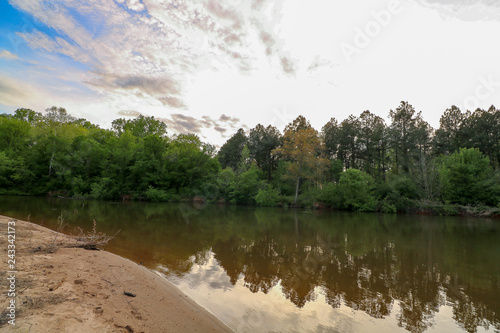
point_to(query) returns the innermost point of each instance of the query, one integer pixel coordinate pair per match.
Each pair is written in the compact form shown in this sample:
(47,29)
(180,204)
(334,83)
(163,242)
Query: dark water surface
(280,270)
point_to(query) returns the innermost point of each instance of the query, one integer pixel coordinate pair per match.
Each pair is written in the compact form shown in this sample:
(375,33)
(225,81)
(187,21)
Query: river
(287,270)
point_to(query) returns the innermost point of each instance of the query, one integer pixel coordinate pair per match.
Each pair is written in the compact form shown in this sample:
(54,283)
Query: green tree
(449,138)
(373,144)
(268,196)
(282,179)
(190,164)
(246,186)
(51,155)
(400,191)
(28,115)
(422,168)
(58,114)
(304,149)
(349,144)
(330,133)
(14,174)
(224,180)
(14,135)
(230,153)
(261,142)
(403,135)
(481,130)
(87,155)
(140,127)
(356,191)
(468,178)
(116,180)
(246,161)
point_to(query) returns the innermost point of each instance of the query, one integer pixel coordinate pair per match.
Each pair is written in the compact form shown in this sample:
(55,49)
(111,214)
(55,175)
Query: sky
(210,67)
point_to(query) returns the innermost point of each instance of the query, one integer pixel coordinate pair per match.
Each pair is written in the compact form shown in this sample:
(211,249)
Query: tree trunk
(51,160)
(297,190)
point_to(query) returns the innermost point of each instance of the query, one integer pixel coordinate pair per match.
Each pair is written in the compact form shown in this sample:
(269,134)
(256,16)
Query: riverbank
(60,287)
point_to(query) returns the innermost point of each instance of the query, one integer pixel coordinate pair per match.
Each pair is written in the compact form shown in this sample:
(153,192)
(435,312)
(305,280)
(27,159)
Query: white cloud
(469,10)
(4,54)
(135,5)
(184,60)
(152,53)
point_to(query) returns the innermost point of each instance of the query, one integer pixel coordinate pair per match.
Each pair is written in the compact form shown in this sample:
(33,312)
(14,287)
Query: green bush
(268,196)
(400,191)
(355,191)
(329,195)
(246,186)
(281,180)
(224,180)
(402,203)
(467,178)
(404,186)
(388,208)
(309,197)
(449,210)
(79,187)
(102,189)
(156,195)
(336,167)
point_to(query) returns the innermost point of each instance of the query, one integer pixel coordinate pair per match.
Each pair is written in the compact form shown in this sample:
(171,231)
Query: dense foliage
(57,154)
(360,163)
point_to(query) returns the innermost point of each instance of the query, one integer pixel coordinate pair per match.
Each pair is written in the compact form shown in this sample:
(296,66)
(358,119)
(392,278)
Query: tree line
(360,163)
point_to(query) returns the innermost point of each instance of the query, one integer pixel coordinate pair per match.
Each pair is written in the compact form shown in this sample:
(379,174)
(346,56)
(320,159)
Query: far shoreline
(420,207)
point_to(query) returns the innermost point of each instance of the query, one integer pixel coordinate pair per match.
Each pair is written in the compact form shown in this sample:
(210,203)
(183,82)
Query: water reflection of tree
(470,315)
(371,263)
(404,267)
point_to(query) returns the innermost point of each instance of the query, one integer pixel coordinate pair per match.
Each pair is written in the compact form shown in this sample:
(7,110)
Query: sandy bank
(63,289)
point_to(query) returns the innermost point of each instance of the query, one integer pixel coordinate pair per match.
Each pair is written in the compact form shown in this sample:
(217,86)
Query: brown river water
(287,270)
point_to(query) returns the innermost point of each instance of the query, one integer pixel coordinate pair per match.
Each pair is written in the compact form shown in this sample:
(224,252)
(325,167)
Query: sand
(63,288)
